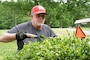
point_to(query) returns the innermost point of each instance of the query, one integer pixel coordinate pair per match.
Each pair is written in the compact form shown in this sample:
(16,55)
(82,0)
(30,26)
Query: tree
(60,13)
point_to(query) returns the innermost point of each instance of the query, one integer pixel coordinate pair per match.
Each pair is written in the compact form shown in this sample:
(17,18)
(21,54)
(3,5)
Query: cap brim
(43,12)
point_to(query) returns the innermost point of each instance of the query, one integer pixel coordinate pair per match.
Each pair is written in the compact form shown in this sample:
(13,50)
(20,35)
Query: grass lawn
(2,31)
(6,48)
(61,32)
(86,28)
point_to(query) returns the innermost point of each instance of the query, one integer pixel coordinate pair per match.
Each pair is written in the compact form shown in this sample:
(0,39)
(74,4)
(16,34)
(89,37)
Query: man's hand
(22,36)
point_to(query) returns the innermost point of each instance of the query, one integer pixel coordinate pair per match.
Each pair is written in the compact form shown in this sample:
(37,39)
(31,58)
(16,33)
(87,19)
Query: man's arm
(7,37)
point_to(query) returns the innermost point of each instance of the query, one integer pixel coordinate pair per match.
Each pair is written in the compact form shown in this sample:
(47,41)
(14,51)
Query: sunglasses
(40,15)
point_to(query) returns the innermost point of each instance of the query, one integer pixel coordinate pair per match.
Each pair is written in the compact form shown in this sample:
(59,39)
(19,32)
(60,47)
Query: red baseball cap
(38,9)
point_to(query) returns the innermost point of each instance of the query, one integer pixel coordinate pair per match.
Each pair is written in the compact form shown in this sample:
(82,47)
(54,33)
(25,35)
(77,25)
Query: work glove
(23,35)
(20,45)
(20,37)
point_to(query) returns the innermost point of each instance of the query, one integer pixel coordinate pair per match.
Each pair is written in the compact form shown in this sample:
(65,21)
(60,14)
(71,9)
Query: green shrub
(65,48)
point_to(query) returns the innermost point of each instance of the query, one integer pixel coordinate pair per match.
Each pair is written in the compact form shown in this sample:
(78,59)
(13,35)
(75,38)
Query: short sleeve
(50,31)
(13,30)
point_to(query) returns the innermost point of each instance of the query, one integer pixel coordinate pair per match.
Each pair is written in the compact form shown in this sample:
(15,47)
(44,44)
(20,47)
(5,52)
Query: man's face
(38,19)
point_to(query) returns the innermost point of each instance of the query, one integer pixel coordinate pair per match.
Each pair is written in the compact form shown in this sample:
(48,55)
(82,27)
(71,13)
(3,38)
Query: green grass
(6,48)
(2,31)
(61,32)
(86,28)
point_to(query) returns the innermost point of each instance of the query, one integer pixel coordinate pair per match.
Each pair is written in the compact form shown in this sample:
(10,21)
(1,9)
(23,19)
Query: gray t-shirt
(27,27)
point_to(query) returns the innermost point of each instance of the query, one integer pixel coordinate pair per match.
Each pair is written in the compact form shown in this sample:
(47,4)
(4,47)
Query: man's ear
(31,16)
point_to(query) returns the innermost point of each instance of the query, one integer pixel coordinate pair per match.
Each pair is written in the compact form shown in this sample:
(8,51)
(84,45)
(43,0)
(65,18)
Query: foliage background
(60,14)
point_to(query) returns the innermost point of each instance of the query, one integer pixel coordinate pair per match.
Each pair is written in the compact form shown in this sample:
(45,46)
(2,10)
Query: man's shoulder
(24,24)
(46,26)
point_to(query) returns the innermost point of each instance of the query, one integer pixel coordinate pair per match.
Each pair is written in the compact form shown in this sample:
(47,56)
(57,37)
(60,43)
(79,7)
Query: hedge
(60,48)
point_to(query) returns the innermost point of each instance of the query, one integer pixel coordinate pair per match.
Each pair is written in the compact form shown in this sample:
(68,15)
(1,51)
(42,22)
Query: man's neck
(39,27)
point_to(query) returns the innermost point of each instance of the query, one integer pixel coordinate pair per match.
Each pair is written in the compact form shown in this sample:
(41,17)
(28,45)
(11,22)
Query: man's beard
(40,24)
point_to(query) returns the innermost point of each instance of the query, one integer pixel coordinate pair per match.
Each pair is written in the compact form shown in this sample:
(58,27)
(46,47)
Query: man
(29,31)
